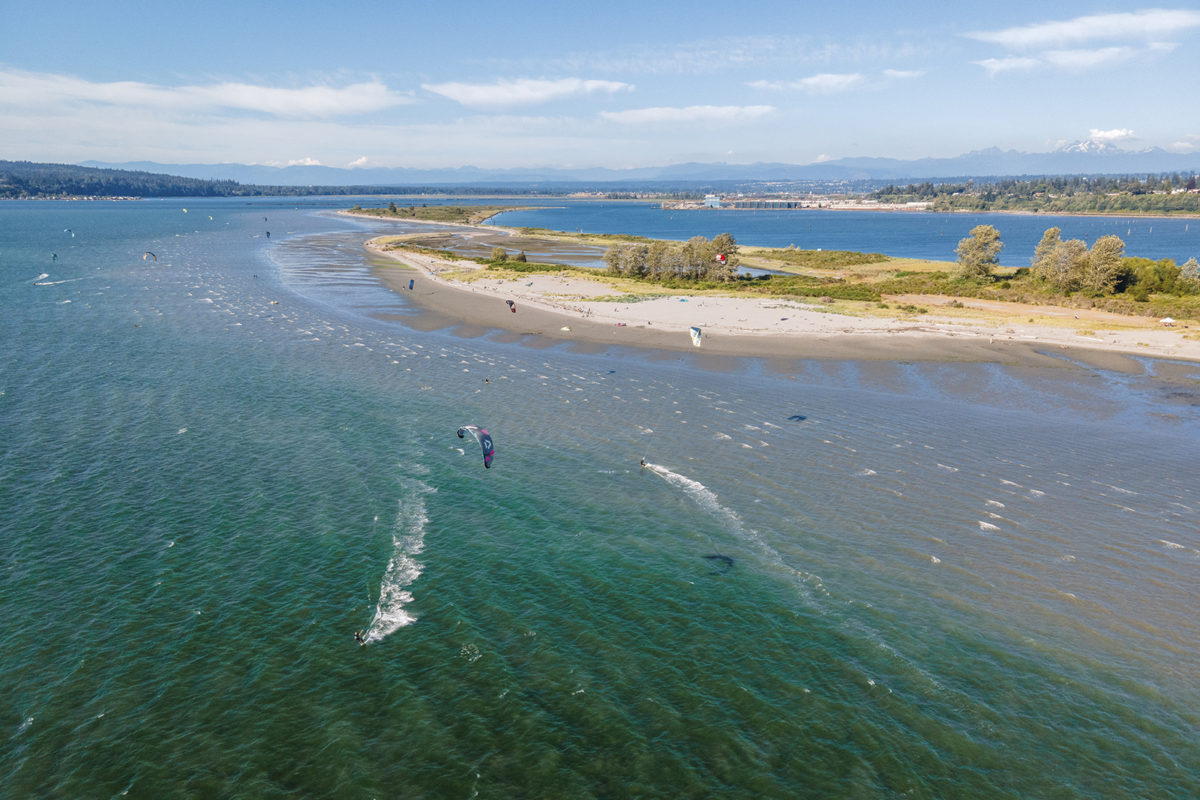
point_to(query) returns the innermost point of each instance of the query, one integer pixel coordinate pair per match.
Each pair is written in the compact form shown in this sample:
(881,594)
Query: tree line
(1071,266)
(697,259)
(1159,194)
(24,179)
(33,180)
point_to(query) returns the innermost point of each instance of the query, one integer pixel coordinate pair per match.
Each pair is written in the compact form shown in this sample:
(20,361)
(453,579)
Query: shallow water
(940,580)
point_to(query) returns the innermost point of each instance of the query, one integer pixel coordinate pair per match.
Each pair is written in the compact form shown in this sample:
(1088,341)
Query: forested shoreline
(27,180)
(1166,194)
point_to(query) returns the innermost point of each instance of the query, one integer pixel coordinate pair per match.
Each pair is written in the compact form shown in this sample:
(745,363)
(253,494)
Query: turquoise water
(936,580)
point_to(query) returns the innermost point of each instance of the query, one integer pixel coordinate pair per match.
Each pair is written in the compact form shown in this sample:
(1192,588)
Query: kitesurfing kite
(484,439)
(148,255)
(696,335)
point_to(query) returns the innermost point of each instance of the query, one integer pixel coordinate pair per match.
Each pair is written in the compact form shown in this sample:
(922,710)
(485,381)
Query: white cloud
(1114,136)
(995,66)
(1078,59)
(310,101)
(664,114)
(525,91)
(1088,59)
(903,74)
(46,90)
(1153,22)
(824,83)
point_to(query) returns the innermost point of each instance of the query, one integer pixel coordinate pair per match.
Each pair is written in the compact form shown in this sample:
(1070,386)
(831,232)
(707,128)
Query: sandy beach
(594,315)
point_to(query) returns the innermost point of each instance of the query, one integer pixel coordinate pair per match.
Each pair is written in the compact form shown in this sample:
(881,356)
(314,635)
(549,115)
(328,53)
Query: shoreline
(552,309)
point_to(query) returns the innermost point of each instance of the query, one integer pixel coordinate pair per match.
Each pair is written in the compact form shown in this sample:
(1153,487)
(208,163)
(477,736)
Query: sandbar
(594,315)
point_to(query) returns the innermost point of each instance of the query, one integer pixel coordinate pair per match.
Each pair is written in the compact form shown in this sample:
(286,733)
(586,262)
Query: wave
(403,569)
(40,280)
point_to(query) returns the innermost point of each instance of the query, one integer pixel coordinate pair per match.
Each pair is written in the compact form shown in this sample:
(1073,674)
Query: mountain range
(1080,158)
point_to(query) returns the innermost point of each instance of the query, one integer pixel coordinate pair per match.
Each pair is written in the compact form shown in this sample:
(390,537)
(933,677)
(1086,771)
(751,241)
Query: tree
(696,253)
(725,268)
(1104,265)
(521,257)
(1190,270)
(979,253)
(1058,263)
(499,254)
(1070,264)
(612,260)
(661,260)
(626,259)
(696,259)
(1189,276)
(1043,254)
(392,208)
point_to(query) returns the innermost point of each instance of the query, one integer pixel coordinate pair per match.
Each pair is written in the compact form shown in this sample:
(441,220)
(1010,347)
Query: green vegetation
(697,259)
(979,253)
(471,215)
(23,179)
(1071,266)
(27,180)
(824,259)
(1067,274)
(530,267)
(1062,273)
(1078,194)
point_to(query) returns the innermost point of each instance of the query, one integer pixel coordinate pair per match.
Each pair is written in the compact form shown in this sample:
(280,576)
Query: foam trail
(707,500)
(408,541)
(703,496)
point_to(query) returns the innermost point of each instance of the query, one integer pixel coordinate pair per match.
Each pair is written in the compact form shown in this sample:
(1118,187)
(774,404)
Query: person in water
(358,637)
(643,462)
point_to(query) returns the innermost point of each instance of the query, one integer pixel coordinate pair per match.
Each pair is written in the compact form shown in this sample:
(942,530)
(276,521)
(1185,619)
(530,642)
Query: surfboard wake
(403,569)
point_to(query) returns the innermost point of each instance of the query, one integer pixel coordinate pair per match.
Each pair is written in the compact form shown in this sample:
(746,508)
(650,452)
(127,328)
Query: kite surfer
(643,462)
(484,439)
(358,637)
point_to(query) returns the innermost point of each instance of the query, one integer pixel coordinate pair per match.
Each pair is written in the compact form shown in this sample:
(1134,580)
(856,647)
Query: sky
(619,84)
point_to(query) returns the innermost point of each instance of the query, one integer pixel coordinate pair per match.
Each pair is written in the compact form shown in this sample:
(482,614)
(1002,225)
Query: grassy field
(466,215)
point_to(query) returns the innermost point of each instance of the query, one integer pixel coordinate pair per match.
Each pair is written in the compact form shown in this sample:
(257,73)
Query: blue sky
(618,84)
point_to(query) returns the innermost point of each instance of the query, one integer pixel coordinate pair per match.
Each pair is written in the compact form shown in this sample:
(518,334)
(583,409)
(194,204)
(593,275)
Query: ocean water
(832,579)
(899,234)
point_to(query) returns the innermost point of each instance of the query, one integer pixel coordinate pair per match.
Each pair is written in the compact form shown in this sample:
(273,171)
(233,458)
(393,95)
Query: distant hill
(1076,159)
(28,179)
(150,179)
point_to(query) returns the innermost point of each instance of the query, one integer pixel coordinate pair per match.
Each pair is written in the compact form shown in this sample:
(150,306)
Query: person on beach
(358,637)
